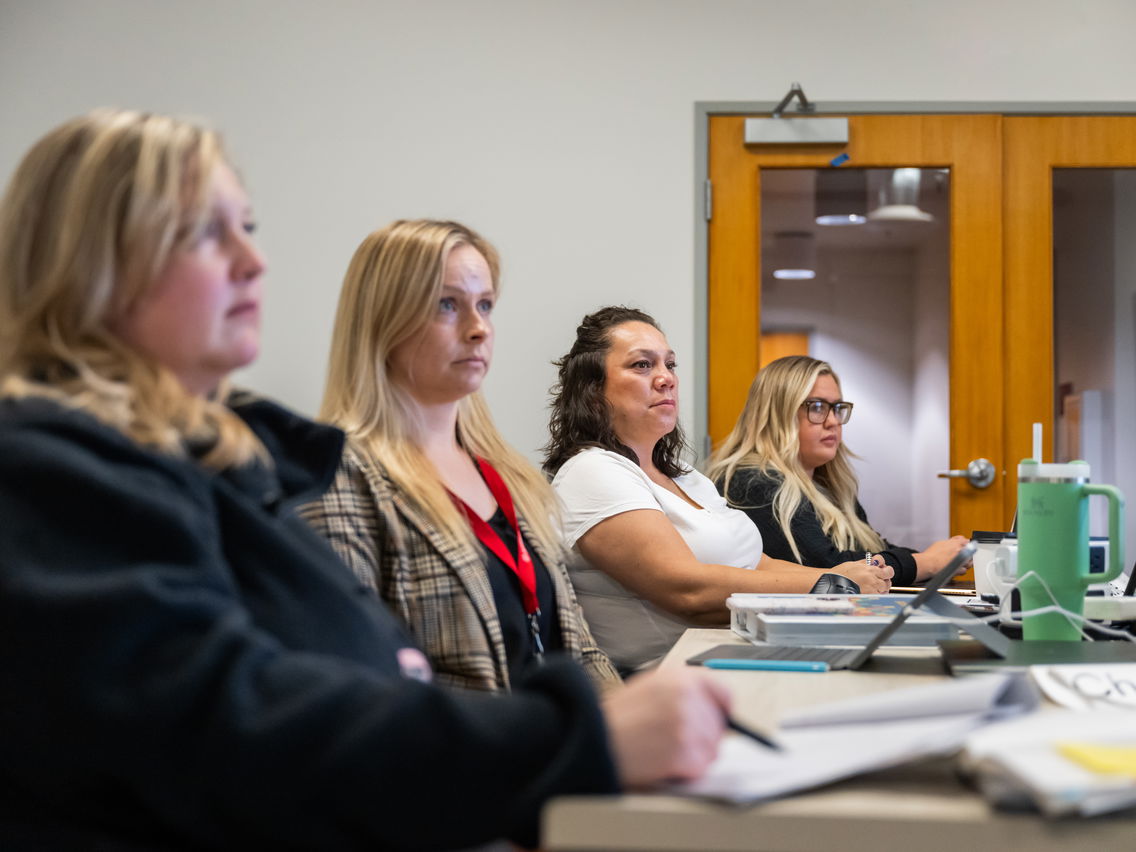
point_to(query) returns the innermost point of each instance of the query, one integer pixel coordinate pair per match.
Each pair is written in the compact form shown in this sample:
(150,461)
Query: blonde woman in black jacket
(186,664)
(785,464)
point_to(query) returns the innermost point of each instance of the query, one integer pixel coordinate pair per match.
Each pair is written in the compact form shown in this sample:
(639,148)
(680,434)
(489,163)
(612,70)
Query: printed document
(828,742)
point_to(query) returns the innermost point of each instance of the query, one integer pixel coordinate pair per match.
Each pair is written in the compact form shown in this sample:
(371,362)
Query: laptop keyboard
(786,652)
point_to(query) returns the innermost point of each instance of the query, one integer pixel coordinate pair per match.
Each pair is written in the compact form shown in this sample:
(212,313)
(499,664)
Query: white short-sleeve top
(597,484)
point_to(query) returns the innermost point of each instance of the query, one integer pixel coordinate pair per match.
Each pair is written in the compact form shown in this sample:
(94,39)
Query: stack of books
(831,619)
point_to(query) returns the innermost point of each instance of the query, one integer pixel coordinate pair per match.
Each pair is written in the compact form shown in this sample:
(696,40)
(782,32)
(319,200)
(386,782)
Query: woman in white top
(661,550)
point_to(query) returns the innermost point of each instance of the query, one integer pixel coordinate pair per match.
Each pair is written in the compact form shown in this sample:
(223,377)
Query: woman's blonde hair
(89,220)
(389,294)
(767,437)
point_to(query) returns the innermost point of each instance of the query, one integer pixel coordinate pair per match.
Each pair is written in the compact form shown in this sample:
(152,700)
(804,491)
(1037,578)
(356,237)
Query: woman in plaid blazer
(454,529)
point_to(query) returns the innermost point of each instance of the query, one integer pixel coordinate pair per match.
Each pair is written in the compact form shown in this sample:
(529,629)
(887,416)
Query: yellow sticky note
(1101,757)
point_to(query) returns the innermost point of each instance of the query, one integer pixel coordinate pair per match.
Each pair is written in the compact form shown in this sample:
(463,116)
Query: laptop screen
(933,585)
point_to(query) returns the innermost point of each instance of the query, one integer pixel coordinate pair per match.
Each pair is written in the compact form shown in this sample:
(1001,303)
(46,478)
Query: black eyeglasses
(817,410)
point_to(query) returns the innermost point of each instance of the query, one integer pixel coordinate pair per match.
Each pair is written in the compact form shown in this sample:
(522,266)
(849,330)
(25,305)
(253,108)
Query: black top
(186,665)
(520,649)
(753,492)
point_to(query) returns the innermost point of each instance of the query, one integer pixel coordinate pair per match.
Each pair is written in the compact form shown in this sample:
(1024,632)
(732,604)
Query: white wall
(563,131)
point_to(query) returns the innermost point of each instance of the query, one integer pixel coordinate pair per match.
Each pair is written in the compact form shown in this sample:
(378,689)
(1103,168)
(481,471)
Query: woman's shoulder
(360,470)
(356,502)
(30,416)
(39,426)
(595,484)
(356,457)
(751,483)
(363,485)
(694,478)
(305,453)
(592,461)
(49,442)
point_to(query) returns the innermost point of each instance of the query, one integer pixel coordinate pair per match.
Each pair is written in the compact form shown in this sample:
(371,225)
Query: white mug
(983,553)
(1002,570)
(995,565)
(986,583)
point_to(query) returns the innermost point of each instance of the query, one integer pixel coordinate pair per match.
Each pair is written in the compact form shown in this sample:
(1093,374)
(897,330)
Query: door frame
(1035,147)
(971,147)
(703,203)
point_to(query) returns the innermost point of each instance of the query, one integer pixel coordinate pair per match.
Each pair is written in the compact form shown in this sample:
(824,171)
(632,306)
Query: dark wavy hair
(581,415)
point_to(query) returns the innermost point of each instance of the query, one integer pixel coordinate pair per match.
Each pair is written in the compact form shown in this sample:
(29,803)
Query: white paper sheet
(1089,686)
(845,738)
(748,772)
(979,694)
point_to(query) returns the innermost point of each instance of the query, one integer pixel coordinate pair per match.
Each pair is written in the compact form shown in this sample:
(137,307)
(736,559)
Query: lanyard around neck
(522,565)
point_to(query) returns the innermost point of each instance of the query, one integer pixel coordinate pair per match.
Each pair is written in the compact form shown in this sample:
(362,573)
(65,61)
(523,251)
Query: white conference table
(920,807)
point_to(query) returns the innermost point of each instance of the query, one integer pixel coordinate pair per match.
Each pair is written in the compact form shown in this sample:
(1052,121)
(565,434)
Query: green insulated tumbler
(1053,544)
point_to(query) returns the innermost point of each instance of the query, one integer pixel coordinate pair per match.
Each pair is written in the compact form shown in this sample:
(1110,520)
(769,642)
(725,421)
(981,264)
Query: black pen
(734,725)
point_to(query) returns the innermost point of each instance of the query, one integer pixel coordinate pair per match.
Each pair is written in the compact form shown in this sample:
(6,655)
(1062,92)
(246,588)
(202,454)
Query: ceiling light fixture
(795,254)
(899,199)
(841,197)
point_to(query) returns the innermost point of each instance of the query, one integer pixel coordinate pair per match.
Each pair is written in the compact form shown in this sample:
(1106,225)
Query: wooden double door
(1001,321)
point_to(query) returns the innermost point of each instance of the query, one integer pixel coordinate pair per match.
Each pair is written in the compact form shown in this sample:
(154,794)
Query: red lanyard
(522,566)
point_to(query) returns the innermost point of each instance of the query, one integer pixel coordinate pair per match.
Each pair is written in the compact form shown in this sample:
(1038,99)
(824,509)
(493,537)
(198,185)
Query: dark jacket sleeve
(753,491)
(901,559)
(144,699)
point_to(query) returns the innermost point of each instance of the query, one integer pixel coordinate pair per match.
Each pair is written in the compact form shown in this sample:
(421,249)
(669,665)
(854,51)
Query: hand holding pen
(665,725)
(746,731)
(878,562)
(871,574)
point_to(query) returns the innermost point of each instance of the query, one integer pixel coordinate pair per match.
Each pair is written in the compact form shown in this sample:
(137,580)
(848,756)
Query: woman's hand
(874,579)
(665,725)
(935,558)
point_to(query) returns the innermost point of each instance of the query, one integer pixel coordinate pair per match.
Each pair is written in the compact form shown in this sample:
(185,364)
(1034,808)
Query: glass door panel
(1094,328)
(863,278)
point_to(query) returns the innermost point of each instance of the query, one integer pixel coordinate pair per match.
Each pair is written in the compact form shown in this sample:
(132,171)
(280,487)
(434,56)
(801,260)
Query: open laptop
(850,658)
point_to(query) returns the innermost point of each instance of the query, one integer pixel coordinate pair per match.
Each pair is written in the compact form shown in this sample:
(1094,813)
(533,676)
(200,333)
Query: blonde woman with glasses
(786,466)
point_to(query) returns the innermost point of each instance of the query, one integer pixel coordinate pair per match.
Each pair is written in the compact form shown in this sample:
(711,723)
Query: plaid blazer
(439,588)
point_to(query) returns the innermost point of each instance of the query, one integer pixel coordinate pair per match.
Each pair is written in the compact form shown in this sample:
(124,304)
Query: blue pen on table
(734,725)
(768,665)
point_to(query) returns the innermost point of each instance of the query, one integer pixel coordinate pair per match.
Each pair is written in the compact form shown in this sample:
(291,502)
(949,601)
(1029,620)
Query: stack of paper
(828,742)
(1063,762)
(831,620)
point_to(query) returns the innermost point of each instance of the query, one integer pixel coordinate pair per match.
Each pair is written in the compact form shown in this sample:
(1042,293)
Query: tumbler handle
(1115,531)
